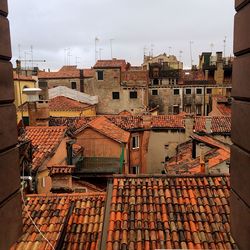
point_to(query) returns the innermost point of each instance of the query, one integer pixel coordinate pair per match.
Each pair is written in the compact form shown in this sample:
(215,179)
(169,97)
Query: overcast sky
(52,26)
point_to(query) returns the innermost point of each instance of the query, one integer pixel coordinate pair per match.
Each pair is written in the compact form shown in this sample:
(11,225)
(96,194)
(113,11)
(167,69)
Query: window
(209,91)
(155,81)
(133,94)
(73,85)
(100,76)
(116,95)
(198,109)
(198,91)
(176,109)
(188,91)
(176,91)
(135,170)
(155,92)
(188,109)
(43,85)
(135,141)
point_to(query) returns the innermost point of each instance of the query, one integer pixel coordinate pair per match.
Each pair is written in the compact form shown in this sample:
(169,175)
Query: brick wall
(10,198)
(240,151)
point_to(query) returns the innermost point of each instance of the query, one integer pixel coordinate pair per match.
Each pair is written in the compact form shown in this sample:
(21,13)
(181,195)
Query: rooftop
(141,212)
(44,140)
(64,72)
(114,63)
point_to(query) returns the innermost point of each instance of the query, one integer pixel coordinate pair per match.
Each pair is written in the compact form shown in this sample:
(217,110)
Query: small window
(188,109)
(156,82)
(133,94)
(188,91)
(135,170)
(135,141)
(176,91)
(209,91)
(100,76)
(73,85)
(116,95)
(176,109)
(155,92)
(199,91)
(198,109)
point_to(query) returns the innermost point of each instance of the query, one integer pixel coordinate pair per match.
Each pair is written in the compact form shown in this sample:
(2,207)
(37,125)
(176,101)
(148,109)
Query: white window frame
(137,169)
(137,141)
(155,90)
(200,93)
(174,90)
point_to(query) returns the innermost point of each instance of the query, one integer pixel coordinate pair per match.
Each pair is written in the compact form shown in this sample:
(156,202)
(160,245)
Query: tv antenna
(225,43)
(191,53)
(111,49)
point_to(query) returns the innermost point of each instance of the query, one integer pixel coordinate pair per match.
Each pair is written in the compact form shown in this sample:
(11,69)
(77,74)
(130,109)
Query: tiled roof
(220,124)
(136,75)
(64,72)
(168,121)
(126,122)
(115,63)
(62,103)
(107,128)
(44,140)
(170,212)
(22,77)
(88,73)
(80,215)
(224,109)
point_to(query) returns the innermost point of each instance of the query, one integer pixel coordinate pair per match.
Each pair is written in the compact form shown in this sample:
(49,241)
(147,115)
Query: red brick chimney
(61,176)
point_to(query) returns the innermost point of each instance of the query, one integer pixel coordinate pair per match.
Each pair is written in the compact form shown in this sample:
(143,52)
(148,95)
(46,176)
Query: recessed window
(198,109)
(135,141)
(100,75)
(176,109)
(209,91)
(116,95)
(176,91)
(198,91)
(73,85)
(156,81)
(188,109)
(135,170)
(188,91)
(133,94)
(155,92)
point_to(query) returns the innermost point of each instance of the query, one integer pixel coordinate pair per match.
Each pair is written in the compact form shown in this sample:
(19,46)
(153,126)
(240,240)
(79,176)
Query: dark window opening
(198,91)
(176,110)
(156,82)
(176,91)
(188,91)
(155,92)
(73,85)
(209,91)
(133,94)
(116,95)
(100,75)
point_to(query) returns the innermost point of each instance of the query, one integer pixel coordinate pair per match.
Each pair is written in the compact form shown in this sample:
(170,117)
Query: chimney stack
(146,119)
(208,124)
(61,176)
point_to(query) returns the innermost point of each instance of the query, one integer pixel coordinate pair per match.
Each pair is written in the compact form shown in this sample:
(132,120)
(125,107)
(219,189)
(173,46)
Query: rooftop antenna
(111,51)
(211,46)
(100,53)
(152,50)
(191,53)
(77,57)
(31,52)
(65,56)
(180,55)
(19,51)
(169,50)
(69,55)
(96,52)
(225,42)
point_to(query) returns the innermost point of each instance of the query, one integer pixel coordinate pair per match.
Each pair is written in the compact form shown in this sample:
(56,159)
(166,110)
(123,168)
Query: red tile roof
(168,121)
(82,226)
(64,72)
(45,140)
(107,128)
(115,63)
(220,124)
(224,109)
(62,103)
(136,76)
(169,213)
(88,73)
(22,77)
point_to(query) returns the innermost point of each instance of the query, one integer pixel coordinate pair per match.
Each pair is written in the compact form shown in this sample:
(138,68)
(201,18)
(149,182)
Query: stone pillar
(240,150)
(10,197)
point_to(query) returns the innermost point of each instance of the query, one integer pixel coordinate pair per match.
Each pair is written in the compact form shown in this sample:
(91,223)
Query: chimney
(146,120)
(208,124)
(189,125)
(61,177)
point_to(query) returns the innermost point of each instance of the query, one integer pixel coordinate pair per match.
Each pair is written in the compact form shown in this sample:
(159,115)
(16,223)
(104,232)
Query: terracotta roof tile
(64,72)
(46,211)
(168,121)
(177,226)
(22,77)
(106,127)
(115,63)
(44,140)
(220,124)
